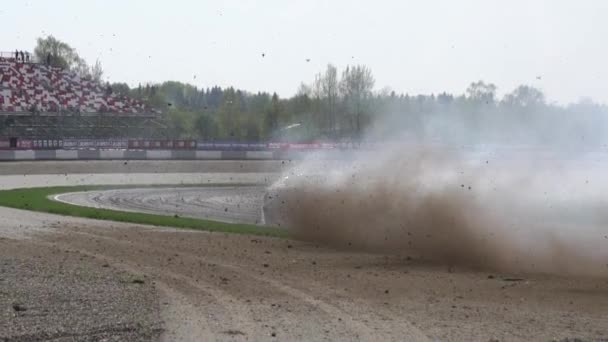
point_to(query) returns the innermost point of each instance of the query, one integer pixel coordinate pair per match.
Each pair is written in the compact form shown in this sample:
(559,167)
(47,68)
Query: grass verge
(37,199)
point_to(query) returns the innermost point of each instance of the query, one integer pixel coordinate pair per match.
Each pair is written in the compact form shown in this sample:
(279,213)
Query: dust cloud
(506,209)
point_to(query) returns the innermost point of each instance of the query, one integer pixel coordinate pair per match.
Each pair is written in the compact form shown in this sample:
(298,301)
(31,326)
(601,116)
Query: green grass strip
(37,199)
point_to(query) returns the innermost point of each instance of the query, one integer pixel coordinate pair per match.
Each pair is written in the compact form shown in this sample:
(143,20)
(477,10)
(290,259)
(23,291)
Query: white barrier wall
(129,154)
(24,155)
(111,154)
(92,154)
(162,154)
(208,155)
(66,154)
(259,155)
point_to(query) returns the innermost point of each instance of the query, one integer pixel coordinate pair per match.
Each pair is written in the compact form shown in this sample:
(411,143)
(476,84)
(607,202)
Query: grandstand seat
(24,86)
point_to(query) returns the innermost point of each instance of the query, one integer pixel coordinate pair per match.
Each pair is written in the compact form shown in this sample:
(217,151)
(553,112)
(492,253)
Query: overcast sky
(411,46)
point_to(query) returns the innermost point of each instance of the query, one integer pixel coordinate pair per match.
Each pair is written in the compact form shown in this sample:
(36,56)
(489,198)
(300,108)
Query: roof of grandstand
(29,87)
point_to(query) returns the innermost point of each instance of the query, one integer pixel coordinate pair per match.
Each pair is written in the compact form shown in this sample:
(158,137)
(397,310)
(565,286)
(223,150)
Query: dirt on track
(214,286)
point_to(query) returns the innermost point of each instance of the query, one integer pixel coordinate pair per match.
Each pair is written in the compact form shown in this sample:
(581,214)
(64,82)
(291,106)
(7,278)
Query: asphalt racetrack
(235,204)
(74,279)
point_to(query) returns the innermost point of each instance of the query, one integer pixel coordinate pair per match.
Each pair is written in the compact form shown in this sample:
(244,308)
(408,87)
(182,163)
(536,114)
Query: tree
(304,90)
(96,71)
(251,127)
(481,92)
(271,119)
(524,96)
(206,127)
(300,107)
(356,87)
(120,88)
(326,89)
(62,54)
(181,123)
(229,115)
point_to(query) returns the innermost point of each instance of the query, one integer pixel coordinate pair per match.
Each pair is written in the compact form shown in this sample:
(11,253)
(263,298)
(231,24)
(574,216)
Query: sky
(415,47)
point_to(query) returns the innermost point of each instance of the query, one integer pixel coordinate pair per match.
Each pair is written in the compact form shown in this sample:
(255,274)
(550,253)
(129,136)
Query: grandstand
(38,100)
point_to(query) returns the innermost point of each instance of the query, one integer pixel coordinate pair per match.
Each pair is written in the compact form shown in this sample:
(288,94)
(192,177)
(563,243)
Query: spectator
(27,57)
(22,57)
(17,55)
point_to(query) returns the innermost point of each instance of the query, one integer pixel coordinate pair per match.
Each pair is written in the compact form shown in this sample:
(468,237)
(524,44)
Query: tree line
(52,51)
(345,105)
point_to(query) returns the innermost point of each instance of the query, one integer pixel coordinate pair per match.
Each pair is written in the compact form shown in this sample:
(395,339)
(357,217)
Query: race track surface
(237,204)
(93,280)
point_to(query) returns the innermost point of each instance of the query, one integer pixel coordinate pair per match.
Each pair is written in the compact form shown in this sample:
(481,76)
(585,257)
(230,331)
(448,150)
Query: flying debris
(292,126)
